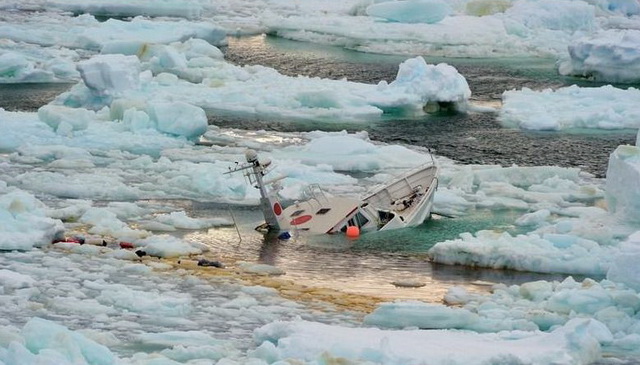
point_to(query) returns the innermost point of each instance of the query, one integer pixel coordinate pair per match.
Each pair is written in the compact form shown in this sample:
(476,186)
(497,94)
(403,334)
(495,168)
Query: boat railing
(314,192)
(381,189)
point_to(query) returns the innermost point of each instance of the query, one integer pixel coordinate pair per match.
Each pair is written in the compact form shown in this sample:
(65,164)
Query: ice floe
(577,342)
(185,9)
(607,56)
(564,238)
(605,107)
(86,33)
(24,63)
(223,88)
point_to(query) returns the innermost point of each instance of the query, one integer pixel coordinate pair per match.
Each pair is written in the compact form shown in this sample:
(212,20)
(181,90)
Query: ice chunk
(180,220)
(554,14)
(623,7)
(431,82)
(167,246)
(110,74)
(623,196)
(533,219)
(60,118)
(13,280)
(23,63)
(411,11)
(607,56)
(532,252)
(23,223)
(179,118)
(41,334)
(260,269)
(122,297)
(421,315)
(625,269)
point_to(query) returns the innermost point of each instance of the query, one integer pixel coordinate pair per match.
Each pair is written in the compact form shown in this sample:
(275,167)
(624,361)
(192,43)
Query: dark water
(469,138)
(29,97)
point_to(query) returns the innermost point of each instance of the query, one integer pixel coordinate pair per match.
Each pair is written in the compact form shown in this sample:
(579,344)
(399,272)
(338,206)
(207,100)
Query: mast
(256,170)
(270,206)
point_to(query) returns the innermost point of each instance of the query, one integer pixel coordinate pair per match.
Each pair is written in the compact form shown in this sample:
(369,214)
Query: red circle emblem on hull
(300,220)
(277,208)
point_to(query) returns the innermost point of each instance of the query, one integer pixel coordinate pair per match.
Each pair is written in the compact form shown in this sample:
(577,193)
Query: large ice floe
(194,72)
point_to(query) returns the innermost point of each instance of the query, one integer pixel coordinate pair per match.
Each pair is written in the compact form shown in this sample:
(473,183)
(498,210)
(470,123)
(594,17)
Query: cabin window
(361,219)
(358,220)
(297,213)
(323,211)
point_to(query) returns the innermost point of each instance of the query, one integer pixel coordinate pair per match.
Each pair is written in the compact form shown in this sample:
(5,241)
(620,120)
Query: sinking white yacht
(403,202)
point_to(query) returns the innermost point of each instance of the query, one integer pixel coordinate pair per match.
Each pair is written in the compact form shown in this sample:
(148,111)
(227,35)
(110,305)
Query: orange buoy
(353,231)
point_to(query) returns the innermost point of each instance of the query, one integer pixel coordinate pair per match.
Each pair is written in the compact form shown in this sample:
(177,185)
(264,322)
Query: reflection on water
(368,265)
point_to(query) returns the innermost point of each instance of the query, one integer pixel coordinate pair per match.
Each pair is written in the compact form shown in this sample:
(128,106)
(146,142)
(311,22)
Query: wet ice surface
(468,138)
(120,302)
